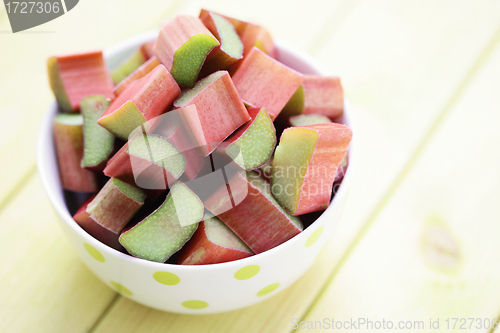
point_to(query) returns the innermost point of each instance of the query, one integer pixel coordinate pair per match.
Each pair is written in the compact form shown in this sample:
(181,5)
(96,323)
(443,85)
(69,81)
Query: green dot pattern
(247,272)
(269,289)
(94,253)
(166,278)
(120,288)
(195,305)
(314,236)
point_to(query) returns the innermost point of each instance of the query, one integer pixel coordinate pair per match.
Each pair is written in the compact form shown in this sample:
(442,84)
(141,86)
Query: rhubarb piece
(142,100)
(77,76)
(148,49)
(308,119)
(169,125)
(262,81)
(304,166)
(230,49)
(317,95)
(148,161)
(128,66)
(211,111)
(167,229)
(257,218)
(265,170)
(68,137)
(141,72)
(253,144)
(339,175)
(115,205)
(250,34)
(182,46)
(94,229)
(212,243)
(98,143)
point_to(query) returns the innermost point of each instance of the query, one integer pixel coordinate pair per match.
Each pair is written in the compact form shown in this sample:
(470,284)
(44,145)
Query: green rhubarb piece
(130,191)
(230,41)
(73,119)
(189,58)
(296,103)
(218,233)
(167,229)
(98,142)
(128,67)
(57,85)
(200,85)
(291,161)
(255,146)
(265,188)
(159,151)
(309,119)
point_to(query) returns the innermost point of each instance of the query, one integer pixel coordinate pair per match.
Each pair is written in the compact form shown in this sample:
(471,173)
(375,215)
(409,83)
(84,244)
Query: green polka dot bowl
(200,289)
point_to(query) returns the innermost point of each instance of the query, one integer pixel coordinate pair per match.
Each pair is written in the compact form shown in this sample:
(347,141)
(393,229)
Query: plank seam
(333,23)
(17,188)
(435,126)
(105,313)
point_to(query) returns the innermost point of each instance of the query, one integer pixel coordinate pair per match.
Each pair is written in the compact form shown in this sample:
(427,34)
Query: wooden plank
(44,287)
(431,252)
(382,152)
(401,64)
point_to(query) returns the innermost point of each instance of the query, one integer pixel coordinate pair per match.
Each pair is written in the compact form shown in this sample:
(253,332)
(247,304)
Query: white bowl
(196,289)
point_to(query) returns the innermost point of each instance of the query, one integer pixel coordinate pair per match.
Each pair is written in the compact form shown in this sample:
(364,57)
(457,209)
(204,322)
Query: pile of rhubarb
(176,150)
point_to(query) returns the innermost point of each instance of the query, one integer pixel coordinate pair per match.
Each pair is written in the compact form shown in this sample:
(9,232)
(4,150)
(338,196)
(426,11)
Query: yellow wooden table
(420,235)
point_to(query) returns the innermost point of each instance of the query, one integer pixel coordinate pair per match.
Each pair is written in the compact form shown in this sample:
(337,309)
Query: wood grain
(44,287)
(432,251)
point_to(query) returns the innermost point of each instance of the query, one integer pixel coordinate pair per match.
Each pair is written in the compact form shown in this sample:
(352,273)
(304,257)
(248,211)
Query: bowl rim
(45,138)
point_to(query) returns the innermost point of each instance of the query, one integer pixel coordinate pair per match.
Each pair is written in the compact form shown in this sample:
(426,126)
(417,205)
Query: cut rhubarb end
(252,145)
(115,205)
(141,72)
(142,100)
(68,136)
(57,85)
(94,229)
(309,119)
(211,111)
(213,243)
(230,49)
(182,46)
(256,217)
(262,81)
(170,126)
(304,166)
(77,76)
(98,142)
(167,229)
(295,105)
(128,67)
(149,162)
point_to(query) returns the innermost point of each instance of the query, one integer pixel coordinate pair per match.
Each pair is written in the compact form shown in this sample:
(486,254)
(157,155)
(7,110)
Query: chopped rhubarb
(212,110)
(182,46)
(142,100)
(139,73)
(264,82)
(77,76)
(213,243)
(304,166)
(68,137)
(94,229)
(317,95)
